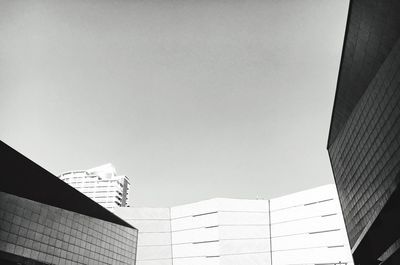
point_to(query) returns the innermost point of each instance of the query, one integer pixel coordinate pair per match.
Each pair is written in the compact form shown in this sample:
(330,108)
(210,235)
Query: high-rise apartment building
(101,184)
(301,228)
(364,138)
(45,221)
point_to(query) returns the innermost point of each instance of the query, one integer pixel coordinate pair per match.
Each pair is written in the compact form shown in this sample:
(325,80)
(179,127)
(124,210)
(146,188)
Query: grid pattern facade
(365,156)
(372,31)
(53,235)
(301,228)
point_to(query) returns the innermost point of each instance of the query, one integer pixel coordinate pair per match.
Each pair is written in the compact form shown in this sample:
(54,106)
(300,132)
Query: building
(364,137)
(154,241)
(45,221)
(301,228)
(101,184)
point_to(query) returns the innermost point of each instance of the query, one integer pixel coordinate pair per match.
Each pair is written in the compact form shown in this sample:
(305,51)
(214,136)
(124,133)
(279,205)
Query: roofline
(72,172)
(13,155)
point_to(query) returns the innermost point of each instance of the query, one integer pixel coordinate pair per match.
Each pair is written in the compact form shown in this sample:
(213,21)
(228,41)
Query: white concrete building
(154,225)
(101,184)
(303,228)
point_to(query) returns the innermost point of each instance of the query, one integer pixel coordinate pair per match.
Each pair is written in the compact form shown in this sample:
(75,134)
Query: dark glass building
(364,138)
(45,221)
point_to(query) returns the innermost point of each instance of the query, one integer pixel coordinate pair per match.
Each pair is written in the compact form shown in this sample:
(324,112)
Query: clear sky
(191,99)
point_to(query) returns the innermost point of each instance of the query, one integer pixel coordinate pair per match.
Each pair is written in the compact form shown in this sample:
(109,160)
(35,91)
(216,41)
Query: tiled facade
(45,221)
(55,236)
(372,31)
(366,154)
(364,139)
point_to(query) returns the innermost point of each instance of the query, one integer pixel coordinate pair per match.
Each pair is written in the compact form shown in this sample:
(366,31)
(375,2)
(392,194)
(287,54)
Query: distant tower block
(101,184)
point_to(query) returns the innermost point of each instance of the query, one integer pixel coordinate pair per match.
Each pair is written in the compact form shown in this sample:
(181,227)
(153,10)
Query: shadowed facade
(45,221)
(364,138)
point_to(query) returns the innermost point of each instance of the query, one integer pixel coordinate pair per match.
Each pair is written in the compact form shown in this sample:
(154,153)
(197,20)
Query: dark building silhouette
(364,138)
(45,221)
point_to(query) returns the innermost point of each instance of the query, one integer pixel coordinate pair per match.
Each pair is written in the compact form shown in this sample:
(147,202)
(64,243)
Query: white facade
(101,184)
(154,239)
(303,228)
(308,228)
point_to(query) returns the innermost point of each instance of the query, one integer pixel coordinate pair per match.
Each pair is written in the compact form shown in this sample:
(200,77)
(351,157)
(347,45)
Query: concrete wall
(154,242)
(306,228)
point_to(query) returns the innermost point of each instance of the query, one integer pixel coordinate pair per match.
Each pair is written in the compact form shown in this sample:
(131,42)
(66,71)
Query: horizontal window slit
(324,231)
(196,215)
(204,242)
(327,215)
(327,200)
(311,203)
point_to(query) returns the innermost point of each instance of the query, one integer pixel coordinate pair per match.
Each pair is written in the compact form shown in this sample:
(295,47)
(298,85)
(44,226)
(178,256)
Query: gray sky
(191,99)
